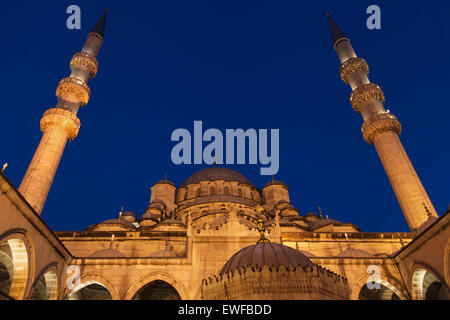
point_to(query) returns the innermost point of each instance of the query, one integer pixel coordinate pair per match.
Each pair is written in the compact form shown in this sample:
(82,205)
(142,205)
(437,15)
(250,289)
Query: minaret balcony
(352,65)
(73,90)
(84,61)
(379,123)
(365,93)
(57,117)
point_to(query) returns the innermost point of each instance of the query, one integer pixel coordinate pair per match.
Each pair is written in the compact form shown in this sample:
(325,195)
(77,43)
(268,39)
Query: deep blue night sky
(231,64)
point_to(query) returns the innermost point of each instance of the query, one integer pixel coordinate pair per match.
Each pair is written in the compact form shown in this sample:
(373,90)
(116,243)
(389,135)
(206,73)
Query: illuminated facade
(217,236)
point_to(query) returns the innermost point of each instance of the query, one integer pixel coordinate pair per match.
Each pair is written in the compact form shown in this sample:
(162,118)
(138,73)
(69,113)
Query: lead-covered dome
(266,254)
(216,173)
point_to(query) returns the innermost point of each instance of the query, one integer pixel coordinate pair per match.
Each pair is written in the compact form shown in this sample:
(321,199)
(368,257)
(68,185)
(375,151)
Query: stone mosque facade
(217,236)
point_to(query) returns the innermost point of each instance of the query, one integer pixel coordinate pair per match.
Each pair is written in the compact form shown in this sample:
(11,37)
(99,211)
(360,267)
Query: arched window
(39,291)
(46,288)
(436,291)
(378,292)
(6,271)
(198,192)
(212,191)
(157,290)
(240,193)
(13,269)
(426,286)
(92,291)
(226,190)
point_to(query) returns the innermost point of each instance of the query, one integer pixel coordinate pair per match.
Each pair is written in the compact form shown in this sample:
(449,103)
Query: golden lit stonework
(85,61)
(352,65)
(73,90)
(364,93)
(61,118)
(196,240)
(379,123)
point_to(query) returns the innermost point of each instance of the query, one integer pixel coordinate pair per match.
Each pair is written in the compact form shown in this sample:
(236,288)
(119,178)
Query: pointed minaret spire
(336,33)
(99,28)
(61,124)
(382,129)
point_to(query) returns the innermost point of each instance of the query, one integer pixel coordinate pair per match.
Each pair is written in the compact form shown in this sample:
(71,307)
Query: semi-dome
(121,223)
(216,173)
(107,253)
(354,253)
(167,253)
(266,254)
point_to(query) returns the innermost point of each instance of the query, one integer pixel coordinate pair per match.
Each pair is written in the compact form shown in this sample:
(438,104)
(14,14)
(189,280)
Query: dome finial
(261,228)
(111,242)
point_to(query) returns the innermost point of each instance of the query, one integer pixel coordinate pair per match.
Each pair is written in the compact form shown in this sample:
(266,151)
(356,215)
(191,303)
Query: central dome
(216,173)
(266,254)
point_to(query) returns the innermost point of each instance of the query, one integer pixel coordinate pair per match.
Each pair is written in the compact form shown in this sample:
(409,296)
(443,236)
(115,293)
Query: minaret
(61,123)
(382,129)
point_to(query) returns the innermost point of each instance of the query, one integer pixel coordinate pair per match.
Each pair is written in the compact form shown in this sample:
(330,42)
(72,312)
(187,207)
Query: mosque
(218,236)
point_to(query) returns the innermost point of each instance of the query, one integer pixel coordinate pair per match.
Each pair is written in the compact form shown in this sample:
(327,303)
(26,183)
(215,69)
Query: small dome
(289,206)
(128,217)
(167,253)
(107,253)
(354,253)
(121,222)
(311,214)
(216,173)
(150,216)
(266,254)
(155,205)
(323,222)
(128,214)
